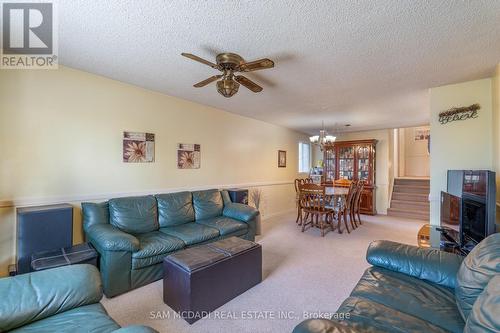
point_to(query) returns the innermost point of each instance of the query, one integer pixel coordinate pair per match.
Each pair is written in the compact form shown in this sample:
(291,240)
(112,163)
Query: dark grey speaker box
(42,228)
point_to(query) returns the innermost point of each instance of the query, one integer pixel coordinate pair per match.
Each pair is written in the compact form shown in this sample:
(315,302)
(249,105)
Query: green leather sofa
(134,234)
(64,299)
(411,289)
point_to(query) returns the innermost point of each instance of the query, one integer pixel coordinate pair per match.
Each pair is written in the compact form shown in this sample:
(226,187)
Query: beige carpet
(302,272)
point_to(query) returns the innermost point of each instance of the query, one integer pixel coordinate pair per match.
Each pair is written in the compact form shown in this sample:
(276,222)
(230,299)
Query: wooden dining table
(337,194)
(333,196)
(336,191)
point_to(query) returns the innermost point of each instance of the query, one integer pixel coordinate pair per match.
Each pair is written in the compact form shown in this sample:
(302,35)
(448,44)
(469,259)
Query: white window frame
(302,167)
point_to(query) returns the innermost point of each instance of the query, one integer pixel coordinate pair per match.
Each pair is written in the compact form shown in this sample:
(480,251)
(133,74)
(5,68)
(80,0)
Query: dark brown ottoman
(202,278)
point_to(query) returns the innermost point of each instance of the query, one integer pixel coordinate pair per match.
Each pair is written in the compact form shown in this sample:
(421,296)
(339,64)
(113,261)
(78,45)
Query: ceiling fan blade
(256,65)
(248,83)
(203,61)
(207,81)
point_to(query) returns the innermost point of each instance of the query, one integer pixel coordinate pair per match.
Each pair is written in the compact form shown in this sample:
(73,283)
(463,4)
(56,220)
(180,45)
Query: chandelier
(323,138)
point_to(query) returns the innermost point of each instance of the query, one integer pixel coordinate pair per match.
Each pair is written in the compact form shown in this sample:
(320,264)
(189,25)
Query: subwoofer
(42,228)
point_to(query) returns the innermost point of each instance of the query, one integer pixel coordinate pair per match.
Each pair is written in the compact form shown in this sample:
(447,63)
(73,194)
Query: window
(304,157)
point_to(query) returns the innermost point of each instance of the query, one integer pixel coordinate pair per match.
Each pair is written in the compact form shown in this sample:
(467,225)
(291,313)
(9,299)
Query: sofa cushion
(192,233)
(225,225)
(207,204)
(480,265)
(94,213)
(364,315)
(413,296)
(175,208)
(428,264)
(154,246)
(38,295)
(88,318)
(134,215)
(485,314)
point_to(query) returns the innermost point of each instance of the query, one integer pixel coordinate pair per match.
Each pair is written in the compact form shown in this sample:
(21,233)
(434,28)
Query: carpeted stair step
(409,214)
(410,205)
(411,189)
(412,182)
(418,197)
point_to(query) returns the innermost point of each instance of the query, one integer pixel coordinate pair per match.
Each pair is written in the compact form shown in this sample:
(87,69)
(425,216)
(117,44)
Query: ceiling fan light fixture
(227,87)
(228,64)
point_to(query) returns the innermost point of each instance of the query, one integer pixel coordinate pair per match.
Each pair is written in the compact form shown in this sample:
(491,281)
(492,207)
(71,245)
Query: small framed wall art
(281,158)
(138,147)
(188,156)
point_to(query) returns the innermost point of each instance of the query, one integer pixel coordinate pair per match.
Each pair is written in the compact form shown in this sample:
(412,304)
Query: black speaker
(238,195)
(42,228)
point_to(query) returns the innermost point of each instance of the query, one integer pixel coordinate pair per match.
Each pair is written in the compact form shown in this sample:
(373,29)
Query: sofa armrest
(109,238)
(38,295)
(322,326)
(135,329)
(424,263)
(240,212)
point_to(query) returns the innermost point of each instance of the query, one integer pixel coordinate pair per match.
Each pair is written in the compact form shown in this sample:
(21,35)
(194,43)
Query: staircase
(410,198)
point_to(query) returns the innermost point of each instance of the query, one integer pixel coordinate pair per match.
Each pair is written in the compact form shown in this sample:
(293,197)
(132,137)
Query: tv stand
(441,238)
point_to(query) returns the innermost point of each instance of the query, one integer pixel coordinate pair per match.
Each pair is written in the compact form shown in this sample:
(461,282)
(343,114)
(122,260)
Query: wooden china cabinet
(352,160)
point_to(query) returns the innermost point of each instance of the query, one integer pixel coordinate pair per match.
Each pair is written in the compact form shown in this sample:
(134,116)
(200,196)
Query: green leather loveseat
(411,289)
(134,234)
(64,299)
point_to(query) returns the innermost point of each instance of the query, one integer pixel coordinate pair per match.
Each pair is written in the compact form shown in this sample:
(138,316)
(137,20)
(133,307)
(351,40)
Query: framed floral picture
(138,147)
(281,158)
(421,134)
(188,156)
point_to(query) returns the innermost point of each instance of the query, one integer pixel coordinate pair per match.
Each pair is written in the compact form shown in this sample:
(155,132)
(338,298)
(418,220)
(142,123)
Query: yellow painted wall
(466,144)
(61,140)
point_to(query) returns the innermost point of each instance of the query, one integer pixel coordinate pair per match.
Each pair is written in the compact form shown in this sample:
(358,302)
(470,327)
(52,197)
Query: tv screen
(473,226)
(450,210)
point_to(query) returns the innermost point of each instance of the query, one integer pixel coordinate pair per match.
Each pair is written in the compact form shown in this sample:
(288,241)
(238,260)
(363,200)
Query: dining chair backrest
(308,181)
(342,182)
(351,194)
(299,181)
(312,197)
(357,200)
(296,183)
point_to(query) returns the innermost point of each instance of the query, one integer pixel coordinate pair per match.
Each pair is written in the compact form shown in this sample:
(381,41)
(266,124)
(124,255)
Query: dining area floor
(304,274)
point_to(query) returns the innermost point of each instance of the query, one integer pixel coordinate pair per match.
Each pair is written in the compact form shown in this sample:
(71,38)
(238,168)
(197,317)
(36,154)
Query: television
(450,210)
(474,225)
(476,190)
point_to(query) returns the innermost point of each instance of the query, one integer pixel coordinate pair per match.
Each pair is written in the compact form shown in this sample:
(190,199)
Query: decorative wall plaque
(462,113)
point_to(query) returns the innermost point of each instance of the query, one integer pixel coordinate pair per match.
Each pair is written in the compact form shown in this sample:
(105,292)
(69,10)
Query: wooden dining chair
(346,211)
(342,182)
(314,208)
(297,182)
(357,202)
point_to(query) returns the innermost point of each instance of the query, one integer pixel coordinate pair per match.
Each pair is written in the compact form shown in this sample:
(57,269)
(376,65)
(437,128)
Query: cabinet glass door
(364,163)
(329,165)
(346,163)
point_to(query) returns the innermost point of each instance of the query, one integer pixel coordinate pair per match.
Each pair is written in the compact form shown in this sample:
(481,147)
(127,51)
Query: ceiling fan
(228,64)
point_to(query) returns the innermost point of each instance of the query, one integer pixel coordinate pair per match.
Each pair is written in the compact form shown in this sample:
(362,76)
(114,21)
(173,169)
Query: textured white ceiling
(367,63)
